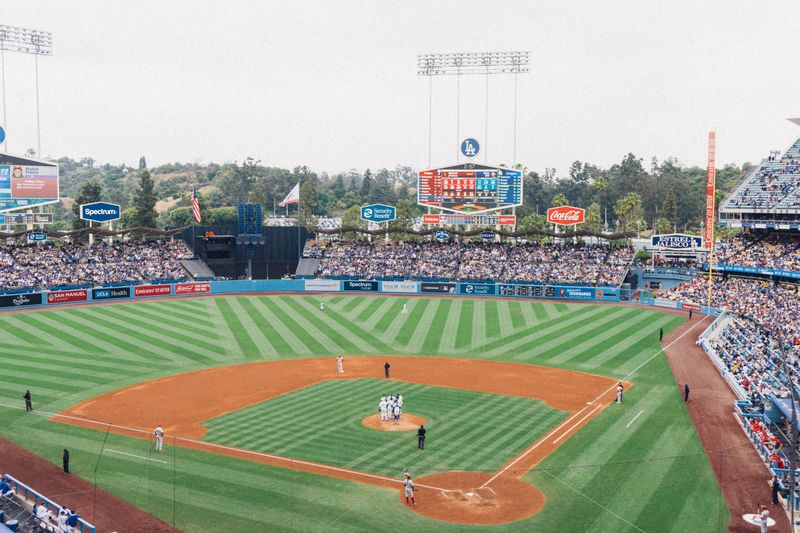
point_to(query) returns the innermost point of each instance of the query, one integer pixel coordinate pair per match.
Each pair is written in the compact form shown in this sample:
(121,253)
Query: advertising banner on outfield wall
(62,297)
(399,286)
(660,302)
(476,289)
(577,293)
(115,292)
(322,285)
(21,300)
(192,288)
(361,285)
(143,291)
(445,288)
(686,306)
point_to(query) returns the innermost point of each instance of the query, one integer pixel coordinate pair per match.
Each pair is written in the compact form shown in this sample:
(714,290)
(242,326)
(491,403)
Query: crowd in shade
(535,262)
(749,345)
(774,184)
(775,251)
(42,266)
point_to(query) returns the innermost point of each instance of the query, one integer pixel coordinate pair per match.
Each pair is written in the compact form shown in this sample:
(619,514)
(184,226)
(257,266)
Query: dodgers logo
(470,147)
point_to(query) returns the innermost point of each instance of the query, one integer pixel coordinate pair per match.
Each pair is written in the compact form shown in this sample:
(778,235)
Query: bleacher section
(769,197)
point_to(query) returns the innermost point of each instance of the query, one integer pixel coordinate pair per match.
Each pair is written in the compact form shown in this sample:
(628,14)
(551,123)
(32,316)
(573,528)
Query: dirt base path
(739,470)
(104,511)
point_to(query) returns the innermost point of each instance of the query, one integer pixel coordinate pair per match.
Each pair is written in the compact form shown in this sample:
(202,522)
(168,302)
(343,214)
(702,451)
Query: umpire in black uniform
(421,437)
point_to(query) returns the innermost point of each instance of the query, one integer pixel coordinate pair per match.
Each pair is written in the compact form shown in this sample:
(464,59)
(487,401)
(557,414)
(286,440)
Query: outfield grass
(650,476)
(468,431)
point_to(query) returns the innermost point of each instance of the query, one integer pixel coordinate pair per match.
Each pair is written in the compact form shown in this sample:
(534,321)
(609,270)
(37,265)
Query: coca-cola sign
(566,215)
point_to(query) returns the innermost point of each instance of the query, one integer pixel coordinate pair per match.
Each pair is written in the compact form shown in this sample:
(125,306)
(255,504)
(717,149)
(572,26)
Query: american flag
(195,206)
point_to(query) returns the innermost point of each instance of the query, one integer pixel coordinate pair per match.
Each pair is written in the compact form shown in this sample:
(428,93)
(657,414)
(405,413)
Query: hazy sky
(333,84)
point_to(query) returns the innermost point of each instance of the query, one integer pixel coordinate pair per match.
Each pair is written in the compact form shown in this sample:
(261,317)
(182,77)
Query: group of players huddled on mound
(391,407)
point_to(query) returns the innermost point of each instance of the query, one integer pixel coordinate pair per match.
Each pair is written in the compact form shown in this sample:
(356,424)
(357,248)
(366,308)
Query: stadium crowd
(531,262)
(774,251)
(48,265)
(764,313)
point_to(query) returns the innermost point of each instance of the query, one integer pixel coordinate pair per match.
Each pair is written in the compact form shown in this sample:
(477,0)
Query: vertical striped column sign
(711,180)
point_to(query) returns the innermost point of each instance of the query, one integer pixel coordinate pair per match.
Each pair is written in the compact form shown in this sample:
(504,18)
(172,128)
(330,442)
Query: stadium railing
(31,498)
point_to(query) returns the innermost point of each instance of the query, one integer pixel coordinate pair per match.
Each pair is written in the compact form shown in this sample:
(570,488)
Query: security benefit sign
(378,213)
(476,289)
(677,241)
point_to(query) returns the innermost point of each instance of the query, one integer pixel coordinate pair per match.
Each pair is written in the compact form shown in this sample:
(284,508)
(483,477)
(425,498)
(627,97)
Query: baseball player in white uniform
(405,309)
(382,408)
(159,433)
(396,413)
(340,363)
(322,306)
(408,488)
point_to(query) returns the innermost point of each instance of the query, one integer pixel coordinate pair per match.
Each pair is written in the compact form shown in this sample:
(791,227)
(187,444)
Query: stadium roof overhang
(8,159)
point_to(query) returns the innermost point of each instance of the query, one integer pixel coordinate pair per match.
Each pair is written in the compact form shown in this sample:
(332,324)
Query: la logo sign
(100,212)
(566,215)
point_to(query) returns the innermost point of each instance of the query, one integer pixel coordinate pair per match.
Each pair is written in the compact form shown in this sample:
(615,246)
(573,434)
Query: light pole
(25,41)
(472,63)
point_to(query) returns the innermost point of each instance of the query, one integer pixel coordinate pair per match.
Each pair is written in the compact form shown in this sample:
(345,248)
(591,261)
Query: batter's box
(479,496)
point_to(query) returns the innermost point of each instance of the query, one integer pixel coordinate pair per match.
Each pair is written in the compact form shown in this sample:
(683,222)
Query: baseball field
(262,428)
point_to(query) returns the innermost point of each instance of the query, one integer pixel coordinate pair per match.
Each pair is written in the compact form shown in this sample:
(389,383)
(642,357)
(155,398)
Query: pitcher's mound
(407,423)
(506,499)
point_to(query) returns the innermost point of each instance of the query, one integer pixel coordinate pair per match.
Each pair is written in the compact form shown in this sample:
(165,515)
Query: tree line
(665,196)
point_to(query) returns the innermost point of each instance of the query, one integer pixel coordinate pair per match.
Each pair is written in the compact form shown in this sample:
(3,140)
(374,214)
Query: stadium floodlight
(25,41)
(459,63)
(466,63)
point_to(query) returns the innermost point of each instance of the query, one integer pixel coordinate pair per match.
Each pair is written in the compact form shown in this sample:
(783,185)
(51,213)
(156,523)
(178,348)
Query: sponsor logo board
(566,215)
(192,288)
(477,289)
(21,300)
(61,297)
(141,291)
(690,306)
(399,286)
(322,285)
(676,241)
(444,288)
(100,212)
(576,294)
(361,285)
(110,293)
(378,213)
(661,302)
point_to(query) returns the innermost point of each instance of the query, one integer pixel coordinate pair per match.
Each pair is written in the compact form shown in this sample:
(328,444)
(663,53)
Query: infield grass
(468,431)
(613,475)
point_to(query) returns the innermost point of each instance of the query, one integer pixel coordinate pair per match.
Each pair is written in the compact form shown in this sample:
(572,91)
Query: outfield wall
(122,292)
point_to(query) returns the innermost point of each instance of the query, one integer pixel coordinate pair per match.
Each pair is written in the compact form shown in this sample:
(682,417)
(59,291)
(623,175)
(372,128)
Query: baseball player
(396,414)
(400,400)
(405,309)
(159,433)
(322,306)
(382,408)
(340,363)
(408,487)
(620,390)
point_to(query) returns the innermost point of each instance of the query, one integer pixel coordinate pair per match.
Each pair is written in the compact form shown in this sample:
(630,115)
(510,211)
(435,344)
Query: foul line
(634,419)
(242,451)
(578,413)
(576,424)
(137,456)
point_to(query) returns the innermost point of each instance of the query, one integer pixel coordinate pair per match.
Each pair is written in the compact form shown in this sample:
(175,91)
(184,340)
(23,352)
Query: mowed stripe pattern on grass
(468,431)
(66,355)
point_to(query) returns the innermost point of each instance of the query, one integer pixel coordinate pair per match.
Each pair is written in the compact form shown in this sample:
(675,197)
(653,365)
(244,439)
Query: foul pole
(710,193)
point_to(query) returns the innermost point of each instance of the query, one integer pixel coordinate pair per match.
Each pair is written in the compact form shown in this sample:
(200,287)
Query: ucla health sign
(678,241)
(100,212)
(378,213)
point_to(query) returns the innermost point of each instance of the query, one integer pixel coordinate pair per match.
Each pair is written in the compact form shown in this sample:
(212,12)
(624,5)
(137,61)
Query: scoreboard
(469,188)
(530,291)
